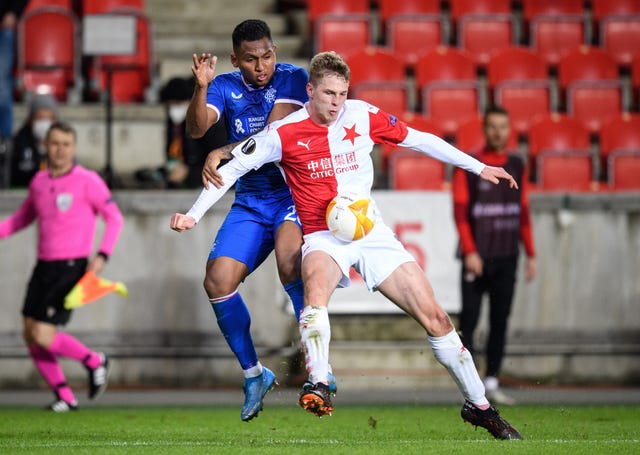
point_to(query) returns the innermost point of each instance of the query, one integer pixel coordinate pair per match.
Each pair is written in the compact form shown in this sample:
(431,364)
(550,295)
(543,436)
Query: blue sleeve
(293,86)
(215,94)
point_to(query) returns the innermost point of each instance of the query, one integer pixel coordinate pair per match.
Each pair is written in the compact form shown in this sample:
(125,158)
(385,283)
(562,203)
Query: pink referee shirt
(67,208)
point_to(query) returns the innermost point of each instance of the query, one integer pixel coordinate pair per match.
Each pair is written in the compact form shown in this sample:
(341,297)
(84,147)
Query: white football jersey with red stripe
(320,162)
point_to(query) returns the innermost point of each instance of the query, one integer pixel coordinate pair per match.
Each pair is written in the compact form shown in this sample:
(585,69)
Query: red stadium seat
(132,75)
(318,8)
(618,24)
(413,35)
(411,170)
(588,78)
(345,33)
(412,27)
(620,37)
(554,27)
(565,171)
(519,82)
(48,54)
(556,133)
(601,8)
(448,86)
(470,138)
(389,8)
(377,76)
(620,140)
(483,26)
(624,169)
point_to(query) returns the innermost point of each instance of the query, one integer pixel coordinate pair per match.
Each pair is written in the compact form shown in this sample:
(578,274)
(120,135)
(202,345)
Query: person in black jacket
(29,153)
(492,223)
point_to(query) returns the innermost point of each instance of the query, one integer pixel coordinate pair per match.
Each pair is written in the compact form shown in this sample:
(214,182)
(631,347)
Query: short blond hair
(328,63)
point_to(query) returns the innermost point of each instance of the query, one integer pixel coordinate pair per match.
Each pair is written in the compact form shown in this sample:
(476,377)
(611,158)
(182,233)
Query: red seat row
(449,90)
(50,50)
(412,28)
(559,153)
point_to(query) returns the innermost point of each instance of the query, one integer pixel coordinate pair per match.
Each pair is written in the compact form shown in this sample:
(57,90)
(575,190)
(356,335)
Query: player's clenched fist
(180,222)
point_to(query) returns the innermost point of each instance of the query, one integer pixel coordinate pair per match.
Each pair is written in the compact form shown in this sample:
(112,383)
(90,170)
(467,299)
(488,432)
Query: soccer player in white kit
(325,150)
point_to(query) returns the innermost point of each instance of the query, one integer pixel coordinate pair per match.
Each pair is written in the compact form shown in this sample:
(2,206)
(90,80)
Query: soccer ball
(350,216)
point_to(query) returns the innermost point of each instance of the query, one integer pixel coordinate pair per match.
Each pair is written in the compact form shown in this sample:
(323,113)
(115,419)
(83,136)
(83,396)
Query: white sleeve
(248,155)
(230,172)
(441,150)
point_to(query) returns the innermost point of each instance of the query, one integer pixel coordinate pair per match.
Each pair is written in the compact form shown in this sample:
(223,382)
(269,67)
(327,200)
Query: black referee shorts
(50,282)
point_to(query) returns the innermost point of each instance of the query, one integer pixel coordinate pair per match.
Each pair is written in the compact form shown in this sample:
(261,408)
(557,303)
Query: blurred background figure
(10,12)
(29,153)
(185,156)
(492,221)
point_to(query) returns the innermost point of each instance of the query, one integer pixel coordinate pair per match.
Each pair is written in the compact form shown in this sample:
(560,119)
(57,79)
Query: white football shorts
(374,256)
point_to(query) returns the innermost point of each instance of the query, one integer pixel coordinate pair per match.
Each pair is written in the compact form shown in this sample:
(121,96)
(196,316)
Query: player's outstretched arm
(494,174)
(181,223)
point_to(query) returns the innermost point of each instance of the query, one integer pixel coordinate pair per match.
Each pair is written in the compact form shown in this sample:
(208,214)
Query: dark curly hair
(250,30)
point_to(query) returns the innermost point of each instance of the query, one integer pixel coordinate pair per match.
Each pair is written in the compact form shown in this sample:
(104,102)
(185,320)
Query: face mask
(178,112)
(40,128)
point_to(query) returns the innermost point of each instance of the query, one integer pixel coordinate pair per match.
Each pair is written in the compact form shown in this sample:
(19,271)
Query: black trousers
(498,280)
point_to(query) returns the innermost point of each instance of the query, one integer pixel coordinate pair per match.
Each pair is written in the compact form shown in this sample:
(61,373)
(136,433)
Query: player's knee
(288,274)
(216,286)
(36,335)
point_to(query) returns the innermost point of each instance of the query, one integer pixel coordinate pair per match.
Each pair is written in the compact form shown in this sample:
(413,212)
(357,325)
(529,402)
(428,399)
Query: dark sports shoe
(317,400)
(331,381)
(98,378)
(62,406)
(490,420)
(254,391)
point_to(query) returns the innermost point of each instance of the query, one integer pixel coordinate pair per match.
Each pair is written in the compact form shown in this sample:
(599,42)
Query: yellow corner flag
(90,288)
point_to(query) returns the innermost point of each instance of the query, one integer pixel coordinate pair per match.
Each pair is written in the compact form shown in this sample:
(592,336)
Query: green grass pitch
(375,429)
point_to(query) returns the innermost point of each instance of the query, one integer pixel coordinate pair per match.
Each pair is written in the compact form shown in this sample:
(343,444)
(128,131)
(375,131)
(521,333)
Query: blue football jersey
(246,110)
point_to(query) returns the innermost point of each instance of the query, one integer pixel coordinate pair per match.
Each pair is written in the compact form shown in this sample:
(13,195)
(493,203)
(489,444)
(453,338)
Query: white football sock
(315,334)
(450,352)
(254,371)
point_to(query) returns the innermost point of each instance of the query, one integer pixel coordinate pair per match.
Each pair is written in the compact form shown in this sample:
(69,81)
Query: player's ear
(309,89)
(234,60)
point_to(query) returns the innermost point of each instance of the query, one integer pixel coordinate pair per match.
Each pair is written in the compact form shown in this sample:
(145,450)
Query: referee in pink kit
(66,199)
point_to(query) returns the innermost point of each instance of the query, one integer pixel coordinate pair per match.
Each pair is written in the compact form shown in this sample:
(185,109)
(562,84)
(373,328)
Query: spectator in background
(66,200)
(492,220)
(185,156)
(10,12)
(29,153)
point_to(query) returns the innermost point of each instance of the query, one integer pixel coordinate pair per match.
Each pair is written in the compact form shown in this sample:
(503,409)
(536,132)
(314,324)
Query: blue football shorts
(248,232)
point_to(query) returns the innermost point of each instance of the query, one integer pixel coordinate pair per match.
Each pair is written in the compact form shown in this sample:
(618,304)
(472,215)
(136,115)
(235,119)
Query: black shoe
(62,406)
(316,399)
(98,378)
(490,420)
(331,382)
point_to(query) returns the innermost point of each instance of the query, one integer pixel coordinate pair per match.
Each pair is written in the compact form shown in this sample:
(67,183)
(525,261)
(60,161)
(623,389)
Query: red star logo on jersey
(351,134)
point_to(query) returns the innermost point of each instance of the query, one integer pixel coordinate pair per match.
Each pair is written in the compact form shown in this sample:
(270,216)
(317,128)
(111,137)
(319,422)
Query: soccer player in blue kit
(262,217)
